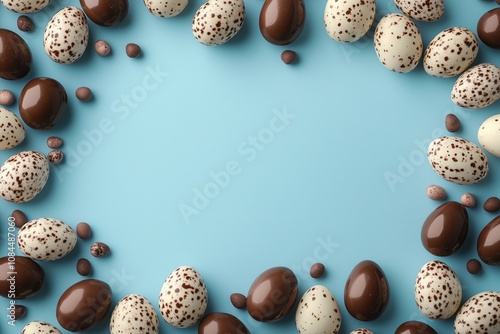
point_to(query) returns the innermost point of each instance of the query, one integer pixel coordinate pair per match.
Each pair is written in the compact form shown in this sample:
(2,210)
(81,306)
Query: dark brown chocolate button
(445,229)
(105,12)
(414,327)
(488,243)
(272,295)
(83,305)
(42,103)
(281,21)
(488,28)
(20,277)
(366,292)
(474,266)
(221,323)
(15,56)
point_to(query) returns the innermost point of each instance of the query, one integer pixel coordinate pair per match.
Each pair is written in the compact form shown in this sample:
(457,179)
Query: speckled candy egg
(451,52)
(361,331)
(318,312)
(40,327)
(46,239)
(183,297)
(488,135)
(66,36)
(217,21)
(25,6)
(398,43)
(23,176)
(479,314)
(12,131)
(477,87)
(134,314)
(165,8)
(348,20)
(421,10)
(457,160)
(438,292)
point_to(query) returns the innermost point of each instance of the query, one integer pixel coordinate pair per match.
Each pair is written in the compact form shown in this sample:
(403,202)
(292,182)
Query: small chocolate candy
(55,156)
(452,123)
(99,249)
(83,230)
(288,57)
(474,266)
(6,97)
(238,300)
(83,267)
(19,218)
(468,200)
(492,204)
(317,270)
(133,50)
(102,48)
(435,192)
(54,142)
(83,94)
(19,311)
(24,23)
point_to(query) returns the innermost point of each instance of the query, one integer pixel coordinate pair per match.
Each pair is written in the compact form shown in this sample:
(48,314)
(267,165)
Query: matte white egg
(488,135)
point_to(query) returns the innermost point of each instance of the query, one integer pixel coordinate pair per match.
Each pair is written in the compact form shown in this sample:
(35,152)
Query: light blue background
(316,191)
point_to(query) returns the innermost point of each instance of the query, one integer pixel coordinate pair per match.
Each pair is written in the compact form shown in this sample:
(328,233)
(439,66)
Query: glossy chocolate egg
(488,28)
(488,243)
(272,295)
(83,305)
(15,56)
(414,327)
(366,292)
(20,277)
(281,21)
(221,323)
(42,103)
(445,229)
(105,12)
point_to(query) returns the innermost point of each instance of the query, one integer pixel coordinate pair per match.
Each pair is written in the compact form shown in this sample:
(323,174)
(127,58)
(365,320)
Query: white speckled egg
(477,87)
(479,314)
(23,176)
(398,43)
(134,314)
(348,20)
(165,8)
(318,312)
(12,131)
(25,6)
(217,21)
(66,36)
(46,239)
(40,327)
(361,331)
(488,135)
(457,160)
(183,297)
(451,52)
(438,292)
(421,10)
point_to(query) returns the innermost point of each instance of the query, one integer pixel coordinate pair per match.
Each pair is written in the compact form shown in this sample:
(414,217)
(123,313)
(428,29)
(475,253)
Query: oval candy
(25,6)
(12,131)
(414,327)
(349,20)
(478,87)
(479,314)
(421,10)
(134,314)
(221,323)
(457,160)
(488,28)
(15,56)
(40,327)
(26,275)
(282,21)
(488,135)
(318,312)
(105,12)
(165,8)
(488,243)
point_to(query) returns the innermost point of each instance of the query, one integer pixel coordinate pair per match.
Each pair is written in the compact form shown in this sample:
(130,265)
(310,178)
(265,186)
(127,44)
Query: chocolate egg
(488,28)
(445,229)
(20,277)
(83,305)
(272,295)
(488,243)
(42,103)
(105,12)
(15,56)
(414,327)
(281,21)
(221,323)
(366,292)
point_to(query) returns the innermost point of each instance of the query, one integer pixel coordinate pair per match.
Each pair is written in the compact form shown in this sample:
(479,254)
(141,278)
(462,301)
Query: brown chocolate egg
(488,243)
(445,229)
(414,327)
(83,305)
(42,103)
(488,28)
(366,292)
(281,21)
(15,56)
(105,12)
(272,295)
(20,277)
(221,323)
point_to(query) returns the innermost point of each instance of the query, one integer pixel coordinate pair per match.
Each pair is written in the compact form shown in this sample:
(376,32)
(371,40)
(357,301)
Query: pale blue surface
(315,191)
